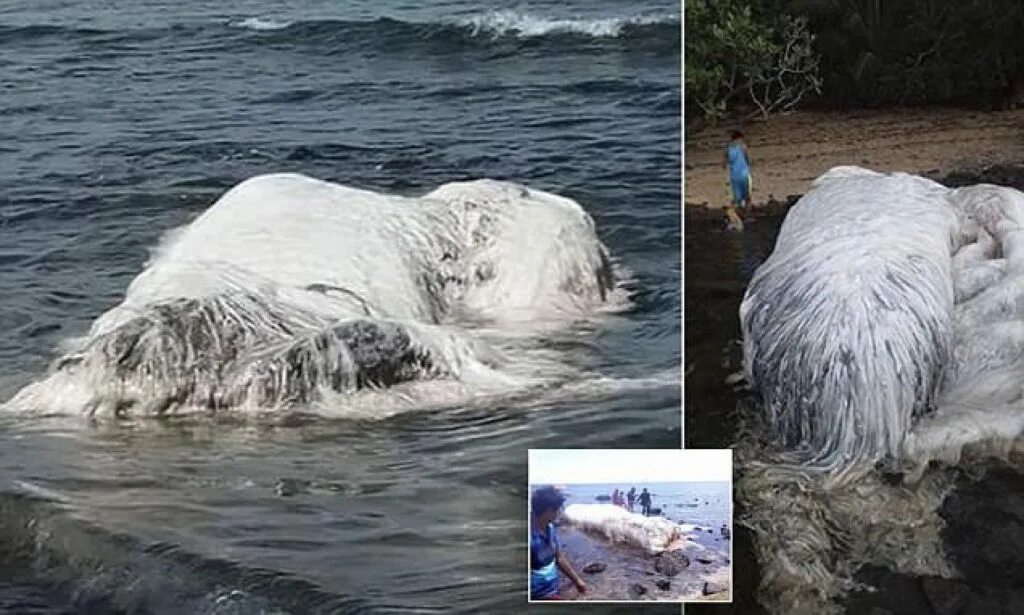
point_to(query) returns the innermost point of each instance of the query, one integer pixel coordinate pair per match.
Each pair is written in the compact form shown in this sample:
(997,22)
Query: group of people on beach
(627,500)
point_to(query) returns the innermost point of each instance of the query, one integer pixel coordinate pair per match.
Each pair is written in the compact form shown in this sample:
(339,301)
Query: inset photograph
(630,525)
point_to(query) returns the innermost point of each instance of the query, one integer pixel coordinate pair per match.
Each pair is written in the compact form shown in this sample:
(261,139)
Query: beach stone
(594,567)
(636,590)
(984,533)
(672,563)
(287,487)
(891,593)
(663,584)
(712,588)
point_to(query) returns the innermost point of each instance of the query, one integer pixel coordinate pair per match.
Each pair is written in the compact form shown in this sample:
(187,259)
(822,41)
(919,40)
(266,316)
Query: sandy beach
(788,151)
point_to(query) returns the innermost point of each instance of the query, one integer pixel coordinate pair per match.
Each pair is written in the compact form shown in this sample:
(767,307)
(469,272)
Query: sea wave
(491,24)
(512,23)
(483,27)
(259,23)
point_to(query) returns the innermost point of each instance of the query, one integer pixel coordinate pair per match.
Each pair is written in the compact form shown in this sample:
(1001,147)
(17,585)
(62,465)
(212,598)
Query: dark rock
(712,588)
(984,532)
(947,596)
(594,567)
(1003,175)
(287,487)
(663,584)
(896,593)
(636,590)
(704,560)
(671,563)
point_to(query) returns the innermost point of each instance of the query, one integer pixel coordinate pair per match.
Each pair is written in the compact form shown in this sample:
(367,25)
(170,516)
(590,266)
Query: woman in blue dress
(546,556)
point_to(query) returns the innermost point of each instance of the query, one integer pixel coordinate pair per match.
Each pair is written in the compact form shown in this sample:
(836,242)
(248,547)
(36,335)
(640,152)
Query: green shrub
(736,57)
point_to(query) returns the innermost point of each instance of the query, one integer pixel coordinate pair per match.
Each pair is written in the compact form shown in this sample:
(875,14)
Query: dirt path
(787,152)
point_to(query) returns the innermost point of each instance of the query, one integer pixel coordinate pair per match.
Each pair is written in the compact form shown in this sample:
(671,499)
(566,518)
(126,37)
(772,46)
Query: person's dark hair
(545,499)
(736,135)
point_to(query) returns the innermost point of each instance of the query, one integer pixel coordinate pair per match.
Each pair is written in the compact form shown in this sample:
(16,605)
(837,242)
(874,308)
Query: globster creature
(888,323)
(289,288)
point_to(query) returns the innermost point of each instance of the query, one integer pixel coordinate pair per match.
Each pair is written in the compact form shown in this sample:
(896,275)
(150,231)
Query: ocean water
(122,120)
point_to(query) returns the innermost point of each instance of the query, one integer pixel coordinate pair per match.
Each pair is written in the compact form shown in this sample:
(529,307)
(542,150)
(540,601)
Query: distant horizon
(635,482)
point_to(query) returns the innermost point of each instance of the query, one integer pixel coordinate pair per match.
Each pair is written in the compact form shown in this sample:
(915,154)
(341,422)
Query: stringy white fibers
(922,291)
(289,288)
(527,253)
(810,537)
(848,324)
(615,524)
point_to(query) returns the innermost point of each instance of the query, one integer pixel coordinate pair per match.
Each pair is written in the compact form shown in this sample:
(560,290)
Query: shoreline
(789,151)
(624,568)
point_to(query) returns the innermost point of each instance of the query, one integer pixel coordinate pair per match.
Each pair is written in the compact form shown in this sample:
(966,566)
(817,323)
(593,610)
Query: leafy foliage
(734,56)
(774,54)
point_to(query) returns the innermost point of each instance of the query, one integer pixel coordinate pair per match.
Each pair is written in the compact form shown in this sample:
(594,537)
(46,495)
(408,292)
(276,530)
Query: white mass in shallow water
(290,290)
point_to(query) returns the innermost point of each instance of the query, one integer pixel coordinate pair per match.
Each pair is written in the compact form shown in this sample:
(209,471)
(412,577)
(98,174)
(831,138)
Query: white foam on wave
(260,24)
(506,23)
(289,290)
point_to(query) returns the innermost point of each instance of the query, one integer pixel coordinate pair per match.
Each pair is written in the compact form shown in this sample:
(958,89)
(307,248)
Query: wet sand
(787,152)
(625,568)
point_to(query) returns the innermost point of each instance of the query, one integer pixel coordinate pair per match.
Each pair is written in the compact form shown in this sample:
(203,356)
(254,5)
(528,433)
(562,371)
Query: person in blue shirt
(737,162)
(546,555)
